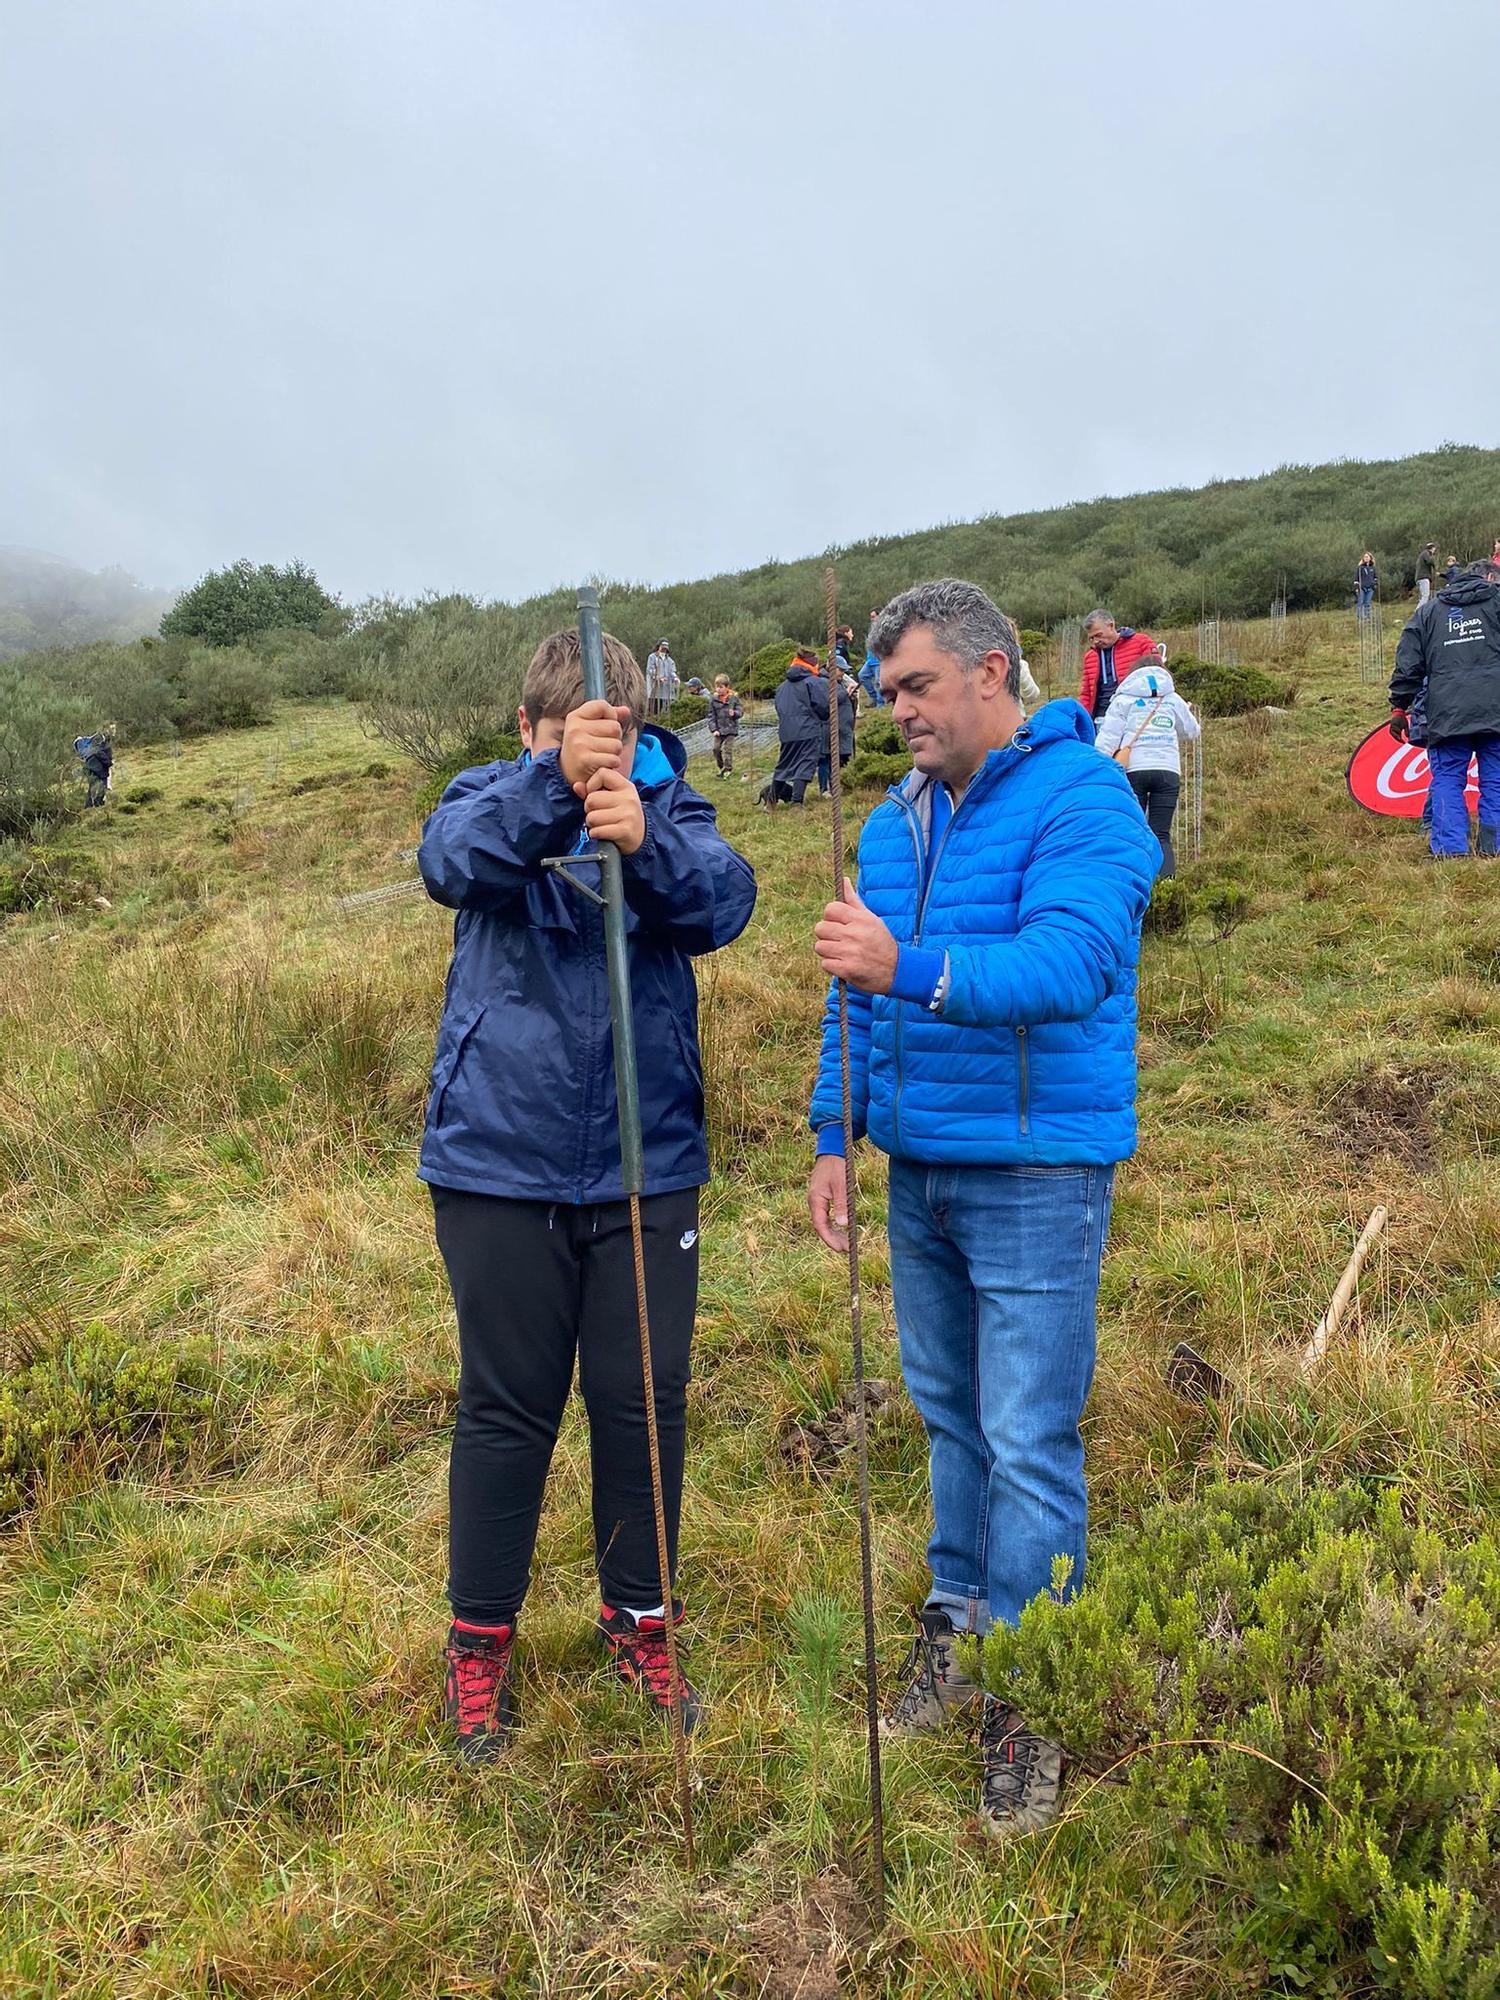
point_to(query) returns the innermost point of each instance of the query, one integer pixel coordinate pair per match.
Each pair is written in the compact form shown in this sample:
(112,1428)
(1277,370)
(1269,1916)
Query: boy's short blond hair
(554,680)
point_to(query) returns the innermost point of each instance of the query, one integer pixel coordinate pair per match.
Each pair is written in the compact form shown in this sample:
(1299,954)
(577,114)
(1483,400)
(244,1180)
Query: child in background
(1142,729)
(724,711)
(522,1154)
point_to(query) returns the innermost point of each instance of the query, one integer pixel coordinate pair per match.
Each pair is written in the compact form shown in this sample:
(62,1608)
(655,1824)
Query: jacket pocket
(1024,1057)
(453,1037)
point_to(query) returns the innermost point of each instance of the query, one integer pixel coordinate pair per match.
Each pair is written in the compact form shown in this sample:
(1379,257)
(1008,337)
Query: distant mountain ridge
(46,600)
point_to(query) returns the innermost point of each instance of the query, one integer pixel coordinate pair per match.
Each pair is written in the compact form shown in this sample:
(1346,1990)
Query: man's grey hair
(1099,616)
(963,621)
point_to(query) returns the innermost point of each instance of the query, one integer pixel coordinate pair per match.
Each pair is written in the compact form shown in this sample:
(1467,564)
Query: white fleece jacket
(1147,701)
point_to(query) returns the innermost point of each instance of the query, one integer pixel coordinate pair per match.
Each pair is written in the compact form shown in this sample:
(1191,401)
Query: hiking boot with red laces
(1022,1773)
(476,1689)
(637,1649)
(937,1688)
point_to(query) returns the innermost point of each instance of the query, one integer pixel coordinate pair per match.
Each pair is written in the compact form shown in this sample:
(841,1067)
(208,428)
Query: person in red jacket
(1112,651)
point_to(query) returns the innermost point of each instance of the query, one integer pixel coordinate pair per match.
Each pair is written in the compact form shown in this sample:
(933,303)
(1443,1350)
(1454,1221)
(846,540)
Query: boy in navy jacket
(522,1153)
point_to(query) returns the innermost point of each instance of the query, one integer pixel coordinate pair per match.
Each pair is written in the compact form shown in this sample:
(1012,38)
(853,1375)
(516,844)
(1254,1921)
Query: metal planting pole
(1198,796)
(861,1435)
(633,1172)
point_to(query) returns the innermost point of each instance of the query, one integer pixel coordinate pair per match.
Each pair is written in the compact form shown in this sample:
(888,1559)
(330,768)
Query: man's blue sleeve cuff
(919,974)
(830,1140)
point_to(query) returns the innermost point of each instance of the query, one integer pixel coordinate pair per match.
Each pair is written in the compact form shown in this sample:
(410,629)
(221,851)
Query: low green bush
(503,746)
(684,712)
(95,1392)
(1299,1687)
(1226,690)
(144,795)
(767,667)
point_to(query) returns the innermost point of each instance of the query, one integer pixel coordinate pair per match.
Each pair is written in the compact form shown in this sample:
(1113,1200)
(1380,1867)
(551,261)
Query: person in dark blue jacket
(990,952)
(522,1154)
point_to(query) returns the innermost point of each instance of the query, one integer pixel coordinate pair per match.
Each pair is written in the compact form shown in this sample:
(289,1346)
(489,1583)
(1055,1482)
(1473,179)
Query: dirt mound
(1385,1111)
(802,1945)
(817,1445)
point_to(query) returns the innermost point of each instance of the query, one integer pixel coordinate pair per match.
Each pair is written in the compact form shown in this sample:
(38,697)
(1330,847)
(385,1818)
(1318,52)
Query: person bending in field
(990,954)
(802,727)
(1112,651)
(522,1154)
(1142,731)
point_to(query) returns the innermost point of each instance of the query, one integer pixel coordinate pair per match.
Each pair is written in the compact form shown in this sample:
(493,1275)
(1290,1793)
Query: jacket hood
(799,670)
(1466,590)
(1146,683)
(659,755)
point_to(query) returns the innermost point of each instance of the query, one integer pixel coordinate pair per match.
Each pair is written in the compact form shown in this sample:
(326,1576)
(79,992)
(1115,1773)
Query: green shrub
(767,667)
(37,763)
(144,795)
(501,746)
(1170,906)
(92,1391)
(875,770)
(439,677)
(222,688)
(876,730)
(684,712)
(1225,690)
(1300,1687)
(228,606)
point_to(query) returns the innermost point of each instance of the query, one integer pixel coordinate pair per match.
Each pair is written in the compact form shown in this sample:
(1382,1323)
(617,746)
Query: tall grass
(223,1772)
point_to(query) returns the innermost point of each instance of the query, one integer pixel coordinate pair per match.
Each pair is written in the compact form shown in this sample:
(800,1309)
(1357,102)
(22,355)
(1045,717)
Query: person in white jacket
(1149,720)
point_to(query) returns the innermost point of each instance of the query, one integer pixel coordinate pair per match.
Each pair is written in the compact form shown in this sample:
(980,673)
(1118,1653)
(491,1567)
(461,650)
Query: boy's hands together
(593,738)
(612,810)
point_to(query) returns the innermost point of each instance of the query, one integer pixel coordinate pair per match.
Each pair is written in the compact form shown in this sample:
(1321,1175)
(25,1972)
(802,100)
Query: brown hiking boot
(935,1688)
(1022,1773)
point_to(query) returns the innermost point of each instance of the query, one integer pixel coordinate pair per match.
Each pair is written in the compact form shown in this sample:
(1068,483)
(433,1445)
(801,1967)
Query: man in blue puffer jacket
(990,954)
(522,1151)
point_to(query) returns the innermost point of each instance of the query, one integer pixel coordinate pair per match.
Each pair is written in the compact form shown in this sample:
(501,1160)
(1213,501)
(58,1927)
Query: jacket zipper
(1025,1081)
(914,827)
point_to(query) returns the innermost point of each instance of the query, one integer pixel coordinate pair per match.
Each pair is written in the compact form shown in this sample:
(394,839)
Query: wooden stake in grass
(861,1435)
(1329,1324)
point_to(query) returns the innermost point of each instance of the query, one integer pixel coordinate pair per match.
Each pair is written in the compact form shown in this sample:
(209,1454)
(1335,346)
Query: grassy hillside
(1228,547)
(230,1372)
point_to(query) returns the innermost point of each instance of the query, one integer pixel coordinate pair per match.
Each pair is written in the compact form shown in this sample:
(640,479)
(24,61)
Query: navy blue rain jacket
(522,1101)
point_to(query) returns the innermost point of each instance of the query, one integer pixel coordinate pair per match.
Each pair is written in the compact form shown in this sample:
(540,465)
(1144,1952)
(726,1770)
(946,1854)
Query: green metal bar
(612,880)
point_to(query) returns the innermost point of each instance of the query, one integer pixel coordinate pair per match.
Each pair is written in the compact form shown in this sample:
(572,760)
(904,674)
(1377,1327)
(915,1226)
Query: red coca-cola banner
(1392,778)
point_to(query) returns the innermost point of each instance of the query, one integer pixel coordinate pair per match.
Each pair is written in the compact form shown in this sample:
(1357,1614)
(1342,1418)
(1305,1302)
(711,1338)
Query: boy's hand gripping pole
(861,1437)
(632,1166)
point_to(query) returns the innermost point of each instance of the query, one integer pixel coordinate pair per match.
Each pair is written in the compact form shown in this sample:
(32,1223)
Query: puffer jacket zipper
(1025,1081)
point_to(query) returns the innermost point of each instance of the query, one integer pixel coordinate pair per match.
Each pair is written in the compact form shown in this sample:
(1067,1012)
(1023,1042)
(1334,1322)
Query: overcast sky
(468,294)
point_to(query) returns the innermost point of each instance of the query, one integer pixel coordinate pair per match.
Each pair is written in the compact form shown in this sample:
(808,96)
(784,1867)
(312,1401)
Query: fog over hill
(46,600)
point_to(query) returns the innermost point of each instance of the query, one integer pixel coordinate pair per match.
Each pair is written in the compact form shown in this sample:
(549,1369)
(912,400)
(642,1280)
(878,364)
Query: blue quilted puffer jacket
(1035,898)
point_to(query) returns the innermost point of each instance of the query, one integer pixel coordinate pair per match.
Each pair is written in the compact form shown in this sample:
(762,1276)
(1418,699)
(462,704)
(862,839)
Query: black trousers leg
(1157,792)
(516,1288)
(609,1367)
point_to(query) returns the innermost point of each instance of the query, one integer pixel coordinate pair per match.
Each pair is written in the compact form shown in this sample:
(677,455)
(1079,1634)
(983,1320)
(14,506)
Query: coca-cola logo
(1392,778)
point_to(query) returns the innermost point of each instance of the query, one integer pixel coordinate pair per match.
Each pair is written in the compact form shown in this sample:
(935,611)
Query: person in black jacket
(1426,572)
(1448,662)
(1366,583)
(98,762)
(802,725)
(522,1154)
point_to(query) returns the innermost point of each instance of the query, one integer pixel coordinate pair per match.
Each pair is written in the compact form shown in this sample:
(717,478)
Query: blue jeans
(1362,600)
(869,680)
(995,1274)
(1450,776)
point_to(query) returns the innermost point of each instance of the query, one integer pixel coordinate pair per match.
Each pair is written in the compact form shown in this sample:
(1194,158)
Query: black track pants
(1157,792)
(534,1284)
